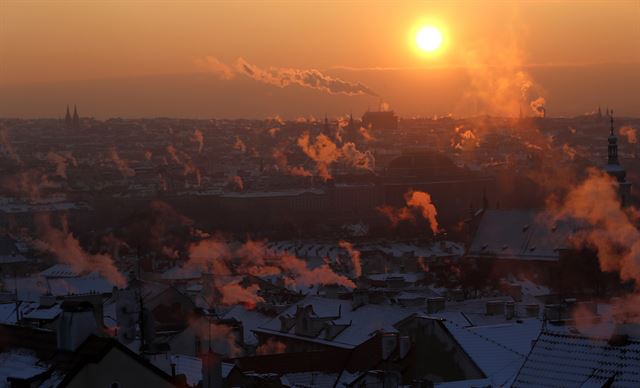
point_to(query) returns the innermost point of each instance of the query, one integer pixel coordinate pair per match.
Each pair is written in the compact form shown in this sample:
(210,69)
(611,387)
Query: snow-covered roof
(499,350)
(250,319)
(19,364)
(362,323)
(563,360)
(182,273)
(44,313)
(521,235)
(60,271)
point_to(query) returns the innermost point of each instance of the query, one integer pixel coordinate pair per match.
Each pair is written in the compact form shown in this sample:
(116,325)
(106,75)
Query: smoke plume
(66,248)
(354,254)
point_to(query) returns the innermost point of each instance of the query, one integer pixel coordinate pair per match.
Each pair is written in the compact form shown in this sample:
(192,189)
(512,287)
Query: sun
(428,39)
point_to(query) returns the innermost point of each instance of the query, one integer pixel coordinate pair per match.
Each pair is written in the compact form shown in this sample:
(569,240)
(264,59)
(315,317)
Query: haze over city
(145,58)
(209,194)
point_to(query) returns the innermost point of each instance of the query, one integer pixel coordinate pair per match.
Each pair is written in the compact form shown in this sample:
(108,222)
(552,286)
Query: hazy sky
(79,46)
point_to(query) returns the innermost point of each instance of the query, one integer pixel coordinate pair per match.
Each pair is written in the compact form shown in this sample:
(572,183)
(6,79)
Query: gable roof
(43,344)
(498,350)
(518,234)
(565,360)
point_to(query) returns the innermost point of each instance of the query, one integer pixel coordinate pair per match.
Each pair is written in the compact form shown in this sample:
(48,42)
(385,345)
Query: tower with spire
(613,167)
(76,118)
(67,118)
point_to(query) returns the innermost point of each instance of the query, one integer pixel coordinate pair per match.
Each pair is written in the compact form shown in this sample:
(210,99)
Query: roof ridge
(487,339)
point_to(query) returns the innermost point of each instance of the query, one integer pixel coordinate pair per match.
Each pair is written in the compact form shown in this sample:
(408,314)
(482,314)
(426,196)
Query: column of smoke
(121,164)
(631,135)
(239,145)
(198,138)
(325,152)
(236,183)
(354,254)
(282,164)
(61,161)
(67,250)
(28,184)
(216,256)
(415,200)
(184,160)
(499,84)
(221,337)
(283,77)
(611,230)
(366,135)
(464,139)
(7,146)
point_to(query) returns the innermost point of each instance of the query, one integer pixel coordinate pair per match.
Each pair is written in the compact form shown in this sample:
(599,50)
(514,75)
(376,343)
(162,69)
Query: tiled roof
(563,360)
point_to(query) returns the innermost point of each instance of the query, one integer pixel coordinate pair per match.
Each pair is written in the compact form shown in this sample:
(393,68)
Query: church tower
(76,118)
(614,168)
(67,118)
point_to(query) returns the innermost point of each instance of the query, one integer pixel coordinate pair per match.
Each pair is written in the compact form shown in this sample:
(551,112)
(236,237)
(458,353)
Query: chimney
(389,343)
(405,346)
(211,370)
(76,324)
(47,300)
(509,310)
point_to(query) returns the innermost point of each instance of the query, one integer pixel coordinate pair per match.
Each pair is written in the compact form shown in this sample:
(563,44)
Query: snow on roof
(362,322)
(498,350)
(475,383)
(521,234)
(407,277)
(60,271)
(274,194)
(189,366)
(182,273)
(309,379)
(8,311)
(563,360)
(19,364)
(44,313)
(250,319)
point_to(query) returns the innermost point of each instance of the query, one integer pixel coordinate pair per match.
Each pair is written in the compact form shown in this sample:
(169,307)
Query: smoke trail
(67,249)
(354,254)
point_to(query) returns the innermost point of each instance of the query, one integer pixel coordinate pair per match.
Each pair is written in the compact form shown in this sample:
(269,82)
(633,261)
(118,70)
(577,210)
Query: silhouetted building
(614,168)
(380,120)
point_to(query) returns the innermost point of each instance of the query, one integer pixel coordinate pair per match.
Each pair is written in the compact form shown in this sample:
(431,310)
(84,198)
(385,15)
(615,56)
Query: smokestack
(211,370)
(76,324)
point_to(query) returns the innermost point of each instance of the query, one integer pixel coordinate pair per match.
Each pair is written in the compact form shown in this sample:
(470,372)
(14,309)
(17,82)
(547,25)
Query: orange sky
(63,42)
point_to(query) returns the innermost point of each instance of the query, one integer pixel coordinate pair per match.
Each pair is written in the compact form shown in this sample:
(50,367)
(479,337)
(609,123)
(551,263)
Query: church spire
(67,118)
(612,151)
(76,118)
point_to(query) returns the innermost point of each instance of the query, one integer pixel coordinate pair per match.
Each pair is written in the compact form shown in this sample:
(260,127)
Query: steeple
(76,118)
(613,145)
(613,167)
(67,118)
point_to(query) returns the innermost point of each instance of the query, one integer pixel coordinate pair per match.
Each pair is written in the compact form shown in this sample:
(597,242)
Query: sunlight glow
(428,39)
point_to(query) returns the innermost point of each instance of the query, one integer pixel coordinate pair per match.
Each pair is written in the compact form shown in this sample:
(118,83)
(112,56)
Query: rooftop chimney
(211,370)
(76,324)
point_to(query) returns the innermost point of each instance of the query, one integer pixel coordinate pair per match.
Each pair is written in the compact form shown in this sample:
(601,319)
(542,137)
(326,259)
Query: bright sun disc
(429,38)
